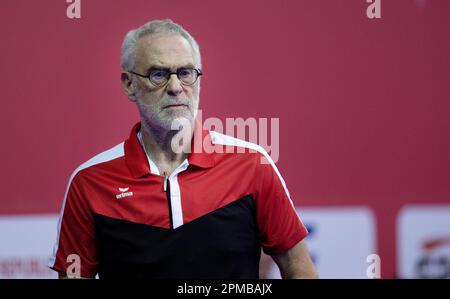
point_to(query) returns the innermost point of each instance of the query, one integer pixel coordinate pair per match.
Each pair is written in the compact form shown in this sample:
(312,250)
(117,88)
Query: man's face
(159,106)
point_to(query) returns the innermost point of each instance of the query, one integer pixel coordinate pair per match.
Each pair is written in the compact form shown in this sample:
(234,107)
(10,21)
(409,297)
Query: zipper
(166,187)
(165,183)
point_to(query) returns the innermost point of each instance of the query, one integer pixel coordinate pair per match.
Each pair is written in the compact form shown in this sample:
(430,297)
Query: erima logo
(124,193)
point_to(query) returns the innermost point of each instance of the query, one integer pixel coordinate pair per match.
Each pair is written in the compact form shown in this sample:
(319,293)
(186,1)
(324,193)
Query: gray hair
(127,58)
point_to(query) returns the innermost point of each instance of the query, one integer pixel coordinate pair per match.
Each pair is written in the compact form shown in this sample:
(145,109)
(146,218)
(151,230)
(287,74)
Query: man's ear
(128,86)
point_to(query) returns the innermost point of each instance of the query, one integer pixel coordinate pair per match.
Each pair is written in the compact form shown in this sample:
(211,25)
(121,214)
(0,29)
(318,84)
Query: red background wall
(363,104)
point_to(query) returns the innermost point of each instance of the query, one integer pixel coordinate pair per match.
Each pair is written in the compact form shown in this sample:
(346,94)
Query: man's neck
(158,145)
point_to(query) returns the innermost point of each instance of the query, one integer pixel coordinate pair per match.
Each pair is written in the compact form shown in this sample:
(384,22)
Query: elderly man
(146,210)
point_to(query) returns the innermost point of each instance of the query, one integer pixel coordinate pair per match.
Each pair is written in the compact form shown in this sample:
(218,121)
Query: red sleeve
(280,228)
(76,234)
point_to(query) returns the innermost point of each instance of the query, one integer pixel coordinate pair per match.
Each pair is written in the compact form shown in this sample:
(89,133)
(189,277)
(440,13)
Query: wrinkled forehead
(168,51)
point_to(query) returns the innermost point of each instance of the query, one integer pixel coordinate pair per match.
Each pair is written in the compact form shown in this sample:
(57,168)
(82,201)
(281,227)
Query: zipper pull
(165,182)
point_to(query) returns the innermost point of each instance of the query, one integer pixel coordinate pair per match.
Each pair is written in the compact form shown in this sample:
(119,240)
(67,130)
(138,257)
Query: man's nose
(174,86)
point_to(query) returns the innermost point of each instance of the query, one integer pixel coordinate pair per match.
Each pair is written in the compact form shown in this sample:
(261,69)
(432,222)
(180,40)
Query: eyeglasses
(160,77)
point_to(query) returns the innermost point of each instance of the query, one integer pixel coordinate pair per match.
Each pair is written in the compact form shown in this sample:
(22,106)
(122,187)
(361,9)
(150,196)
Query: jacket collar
(137,161)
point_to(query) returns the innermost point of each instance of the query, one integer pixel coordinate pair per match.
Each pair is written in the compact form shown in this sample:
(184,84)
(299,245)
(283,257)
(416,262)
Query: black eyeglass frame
(169,74)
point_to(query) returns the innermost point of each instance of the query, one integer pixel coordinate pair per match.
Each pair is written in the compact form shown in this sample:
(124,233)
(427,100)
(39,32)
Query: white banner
(423,237)
(26,245)
(340,241)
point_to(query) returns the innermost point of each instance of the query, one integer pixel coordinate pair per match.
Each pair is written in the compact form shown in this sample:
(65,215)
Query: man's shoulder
(243,149)
(230,141)
(101,159)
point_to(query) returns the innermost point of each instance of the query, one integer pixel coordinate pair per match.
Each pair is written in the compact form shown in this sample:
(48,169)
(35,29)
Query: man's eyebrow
(189,65)
(155,67)
(160,67)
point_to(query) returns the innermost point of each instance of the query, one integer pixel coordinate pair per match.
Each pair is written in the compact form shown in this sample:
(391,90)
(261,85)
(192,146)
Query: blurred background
(363,106)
